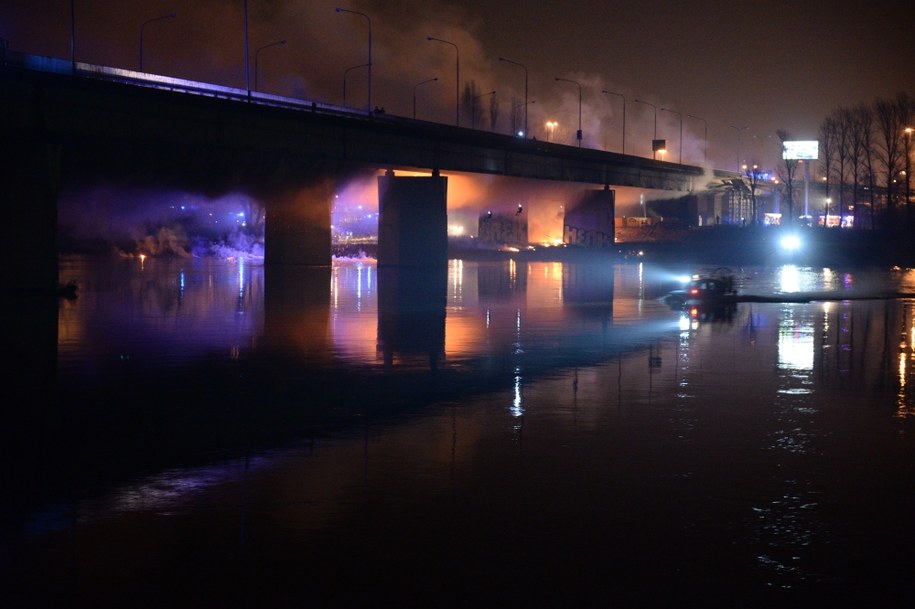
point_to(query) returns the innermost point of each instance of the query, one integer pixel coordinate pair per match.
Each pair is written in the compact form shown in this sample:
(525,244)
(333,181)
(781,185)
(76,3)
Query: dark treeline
(865,160)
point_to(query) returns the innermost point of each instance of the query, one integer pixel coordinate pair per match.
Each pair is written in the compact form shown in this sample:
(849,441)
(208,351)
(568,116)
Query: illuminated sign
(801,150)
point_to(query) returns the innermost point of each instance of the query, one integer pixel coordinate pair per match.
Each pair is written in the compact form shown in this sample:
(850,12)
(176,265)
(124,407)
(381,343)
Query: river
(506,434)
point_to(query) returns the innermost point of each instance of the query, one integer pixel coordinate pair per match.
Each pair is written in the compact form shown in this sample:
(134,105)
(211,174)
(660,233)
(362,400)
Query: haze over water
(508,434)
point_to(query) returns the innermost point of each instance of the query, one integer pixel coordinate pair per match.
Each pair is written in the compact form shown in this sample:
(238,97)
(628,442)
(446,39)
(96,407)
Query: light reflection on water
(564,428)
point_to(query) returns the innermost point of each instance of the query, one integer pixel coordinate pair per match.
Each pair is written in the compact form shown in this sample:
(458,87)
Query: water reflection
(305,425)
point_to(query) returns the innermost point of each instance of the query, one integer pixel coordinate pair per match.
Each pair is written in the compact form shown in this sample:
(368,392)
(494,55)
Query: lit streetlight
(258,52)
(653,147)
(345,73)
(522,66)
(457,79)
(705,149)
(143,26)
(624,115)
(414,92)
(681,131)
(369,64)
(908,153)
(473,108)
(578,84)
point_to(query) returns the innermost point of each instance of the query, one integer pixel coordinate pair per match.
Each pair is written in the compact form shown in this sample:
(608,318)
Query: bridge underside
(61,128)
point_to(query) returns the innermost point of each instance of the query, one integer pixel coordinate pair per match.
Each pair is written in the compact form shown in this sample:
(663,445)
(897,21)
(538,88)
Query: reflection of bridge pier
(411,313)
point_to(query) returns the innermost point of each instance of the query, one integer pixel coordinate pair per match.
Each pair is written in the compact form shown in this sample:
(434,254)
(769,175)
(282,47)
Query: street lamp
(681,131)
(414,93)
(826,218)
(257,53)
(525,89)
(143,26)
(347,71)
(369,64)
(473,108)
(908,153)
(247,55)
(73,35)
(574,82)
(653,145)
(624,116)
(705,149)
(739,129)
(457,79)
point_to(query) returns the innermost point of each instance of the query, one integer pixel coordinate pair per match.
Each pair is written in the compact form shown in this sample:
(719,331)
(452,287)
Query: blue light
(791,242)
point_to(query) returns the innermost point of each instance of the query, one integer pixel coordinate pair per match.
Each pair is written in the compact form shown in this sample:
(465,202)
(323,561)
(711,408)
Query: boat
(712,290)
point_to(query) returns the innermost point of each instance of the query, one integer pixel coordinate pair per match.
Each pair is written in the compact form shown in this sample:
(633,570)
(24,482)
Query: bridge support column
(412,221)
(30,174)
(297,225)
(590,220)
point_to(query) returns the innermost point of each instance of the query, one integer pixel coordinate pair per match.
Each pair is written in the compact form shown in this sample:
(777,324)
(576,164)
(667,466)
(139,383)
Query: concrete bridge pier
(30,174)
(589,221)
(413,221)
(297,225)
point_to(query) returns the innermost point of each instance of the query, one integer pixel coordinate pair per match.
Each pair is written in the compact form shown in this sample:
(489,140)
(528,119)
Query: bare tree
(858,142)
(515,115)
(493,111)
(889,116)
(828,151)
(843,135)
(786,173)
(470,110)
(754,175)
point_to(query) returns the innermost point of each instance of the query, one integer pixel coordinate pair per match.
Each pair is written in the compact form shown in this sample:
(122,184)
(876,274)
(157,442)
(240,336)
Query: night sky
(701,64)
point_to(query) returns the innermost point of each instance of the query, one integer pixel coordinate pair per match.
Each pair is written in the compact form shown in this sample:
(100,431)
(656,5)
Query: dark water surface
(538,434)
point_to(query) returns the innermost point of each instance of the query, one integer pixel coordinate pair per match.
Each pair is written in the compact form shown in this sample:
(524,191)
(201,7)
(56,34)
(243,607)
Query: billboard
(801,150)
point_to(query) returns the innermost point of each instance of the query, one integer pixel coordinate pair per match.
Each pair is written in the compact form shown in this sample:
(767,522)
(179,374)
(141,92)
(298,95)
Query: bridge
(62,118)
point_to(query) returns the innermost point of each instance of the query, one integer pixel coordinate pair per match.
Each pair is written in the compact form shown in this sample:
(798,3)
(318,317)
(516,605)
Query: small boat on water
(714,289)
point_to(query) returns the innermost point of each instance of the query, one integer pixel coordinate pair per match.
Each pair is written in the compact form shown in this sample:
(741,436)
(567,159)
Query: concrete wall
(589,221)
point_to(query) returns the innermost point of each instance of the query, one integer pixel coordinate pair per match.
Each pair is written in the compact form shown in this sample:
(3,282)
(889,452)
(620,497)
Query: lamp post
(908,153)
(247,61)
(347,71)
(73,35)
(369,64)
(705,148)
(680,160)
(739,129)
(457,79)
(414,93)
(143,26)
(653,151)
(258,52)
(473,108)
(826,217)
(522,66)
(574,82)
(624,116)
